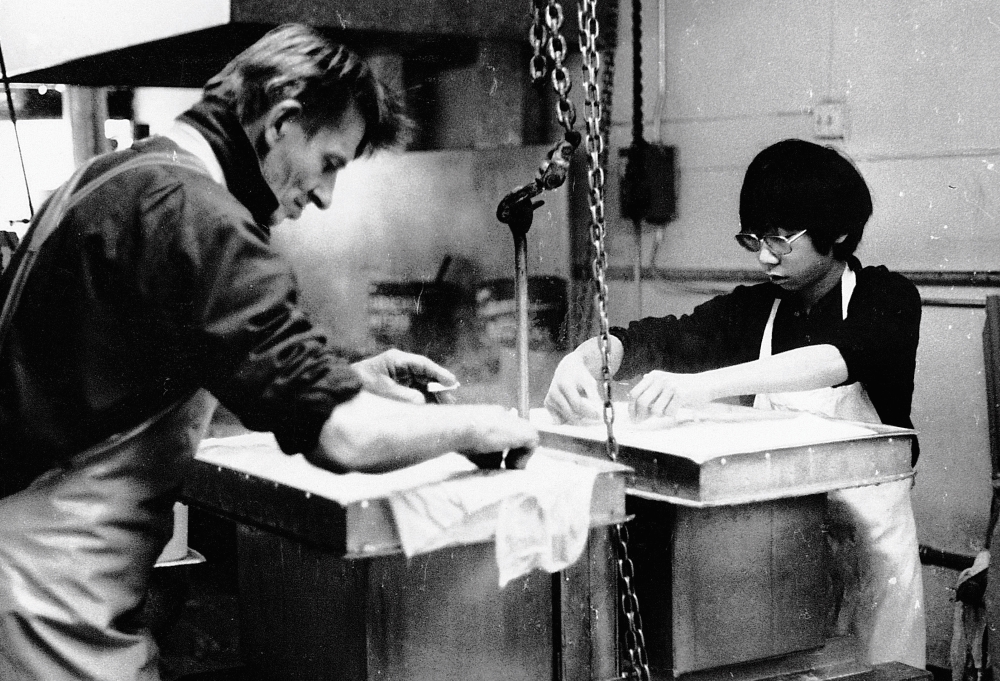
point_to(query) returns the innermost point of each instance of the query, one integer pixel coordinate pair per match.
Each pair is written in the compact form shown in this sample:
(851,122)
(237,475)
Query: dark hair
(296,62)
(795,185)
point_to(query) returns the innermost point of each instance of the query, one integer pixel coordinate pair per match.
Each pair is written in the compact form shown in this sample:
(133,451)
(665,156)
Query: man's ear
(282,113)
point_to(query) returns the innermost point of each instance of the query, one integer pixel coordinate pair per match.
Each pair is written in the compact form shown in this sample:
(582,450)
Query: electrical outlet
(830,120)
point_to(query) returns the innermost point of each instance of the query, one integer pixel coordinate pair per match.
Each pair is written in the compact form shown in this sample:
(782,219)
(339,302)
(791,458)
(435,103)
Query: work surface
(248,479)
(724,454)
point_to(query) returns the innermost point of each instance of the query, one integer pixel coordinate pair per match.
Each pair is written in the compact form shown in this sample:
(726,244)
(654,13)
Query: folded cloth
(546,525)
(539,516)
(454,512)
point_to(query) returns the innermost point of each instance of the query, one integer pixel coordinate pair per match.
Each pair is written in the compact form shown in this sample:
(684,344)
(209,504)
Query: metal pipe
(521,298)
(637,266)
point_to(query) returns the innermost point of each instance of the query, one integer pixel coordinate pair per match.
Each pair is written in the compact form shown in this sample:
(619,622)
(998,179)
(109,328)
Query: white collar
(189,139)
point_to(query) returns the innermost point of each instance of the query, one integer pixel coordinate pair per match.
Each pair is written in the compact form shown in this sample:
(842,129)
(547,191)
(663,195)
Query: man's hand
(573,393)
(400,375)
(373,434)
(491,428)
(661,393)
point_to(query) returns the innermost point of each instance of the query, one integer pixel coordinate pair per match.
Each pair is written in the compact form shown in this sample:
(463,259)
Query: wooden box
(327,594)
(727,535)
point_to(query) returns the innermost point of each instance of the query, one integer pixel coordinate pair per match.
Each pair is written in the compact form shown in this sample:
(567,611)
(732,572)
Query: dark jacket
(159,283)
(878,340)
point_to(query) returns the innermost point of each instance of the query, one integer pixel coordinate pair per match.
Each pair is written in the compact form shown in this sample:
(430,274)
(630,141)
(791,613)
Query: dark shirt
(878,340)
(159,283)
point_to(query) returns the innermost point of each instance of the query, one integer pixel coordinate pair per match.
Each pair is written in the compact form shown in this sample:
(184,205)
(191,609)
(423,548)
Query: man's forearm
(374,434)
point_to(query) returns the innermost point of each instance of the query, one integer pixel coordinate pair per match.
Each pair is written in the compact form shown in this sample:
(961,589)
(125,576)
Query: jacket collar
(235,153)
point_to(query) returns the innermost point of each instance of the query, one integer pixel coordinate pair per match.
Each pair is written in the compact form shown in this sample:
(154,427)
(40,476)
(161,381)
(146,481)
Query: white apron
(878,589)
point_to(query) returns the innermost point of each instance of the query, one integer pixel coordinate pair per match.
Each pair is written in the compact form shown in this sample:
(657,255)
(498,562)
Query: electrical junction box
(830,120)
(649,183)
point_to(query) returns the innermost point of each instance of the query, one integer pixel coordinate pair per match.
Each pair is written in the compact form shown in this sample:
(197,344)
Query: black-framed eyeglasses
(777,244)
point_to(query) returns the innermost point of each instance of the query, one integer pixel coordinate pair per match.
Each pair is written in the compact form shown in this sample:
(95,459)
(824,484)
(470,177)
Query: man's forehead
(350,123)
(344,137)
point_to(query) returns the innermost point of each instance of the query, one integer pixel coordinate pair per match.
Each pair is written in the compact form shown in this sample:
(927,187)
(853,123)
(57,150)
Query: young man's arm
(879,340)
(712,335)
(816,366)
(574,391)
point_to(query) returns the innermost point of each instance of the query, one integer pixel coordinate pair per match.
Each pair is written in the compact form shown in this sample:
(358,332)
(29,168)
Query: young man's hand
(661,393)
(573,393)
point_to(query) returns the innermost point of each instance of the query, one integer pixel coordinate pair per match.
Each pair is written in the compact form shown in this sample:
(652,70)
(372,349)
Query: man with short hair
(146,283)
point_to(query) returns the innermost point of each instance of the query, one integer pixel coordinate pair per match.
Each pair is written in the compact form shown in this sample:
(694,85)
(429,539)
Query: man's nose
(322,195)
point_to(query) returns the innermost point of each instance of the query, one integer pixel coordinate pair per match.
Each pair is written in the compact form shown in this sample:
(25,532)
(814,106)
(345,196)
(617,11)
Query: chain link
(549,51)
(635,642)
(538,37)
(597,123)
(607,86)
(593,109)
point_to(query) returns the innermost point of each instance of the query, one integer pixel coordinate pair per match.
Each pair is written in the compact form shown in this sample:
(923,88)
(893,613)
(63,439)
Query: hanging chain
(561,81)
(635,642)
(593,107)
(538,37)
(608,77)
(548,59)
(610,25)
(548,55)
(597,123)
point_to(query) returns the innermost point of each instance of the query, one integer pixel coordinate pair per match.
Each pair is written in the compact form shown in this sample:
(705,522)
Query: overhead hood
(181,43)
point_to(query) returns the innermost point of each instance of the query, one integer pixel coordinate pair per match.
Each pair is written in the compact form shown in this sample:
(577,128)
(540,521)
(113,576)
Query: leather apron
(77,546)
(878,588)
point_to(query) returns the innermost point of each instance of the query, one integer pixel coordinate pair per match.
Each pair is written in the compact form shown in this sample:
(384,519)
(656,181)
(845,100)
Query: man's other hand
(401,376)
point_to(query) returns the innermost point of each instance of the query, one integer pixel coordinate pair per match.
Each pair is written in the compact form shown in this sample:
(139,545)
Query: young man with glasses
(824,334)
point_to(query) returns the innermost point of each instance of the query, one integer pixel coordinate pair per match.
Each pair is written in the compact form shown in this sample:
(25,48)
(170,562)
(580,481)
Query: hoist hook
(516,208)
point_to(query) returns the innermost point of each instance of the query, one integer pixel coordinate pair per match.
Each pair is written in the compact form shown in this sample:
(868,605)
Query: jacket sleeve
(878,340)
(723,331)
(234,304)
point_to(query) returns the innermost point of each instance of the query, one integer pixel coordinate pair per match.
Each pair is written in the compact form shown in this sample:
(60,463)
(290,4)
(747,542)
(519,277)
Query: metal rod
(637,266)
(521,297)
(962,278)
(17,137)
